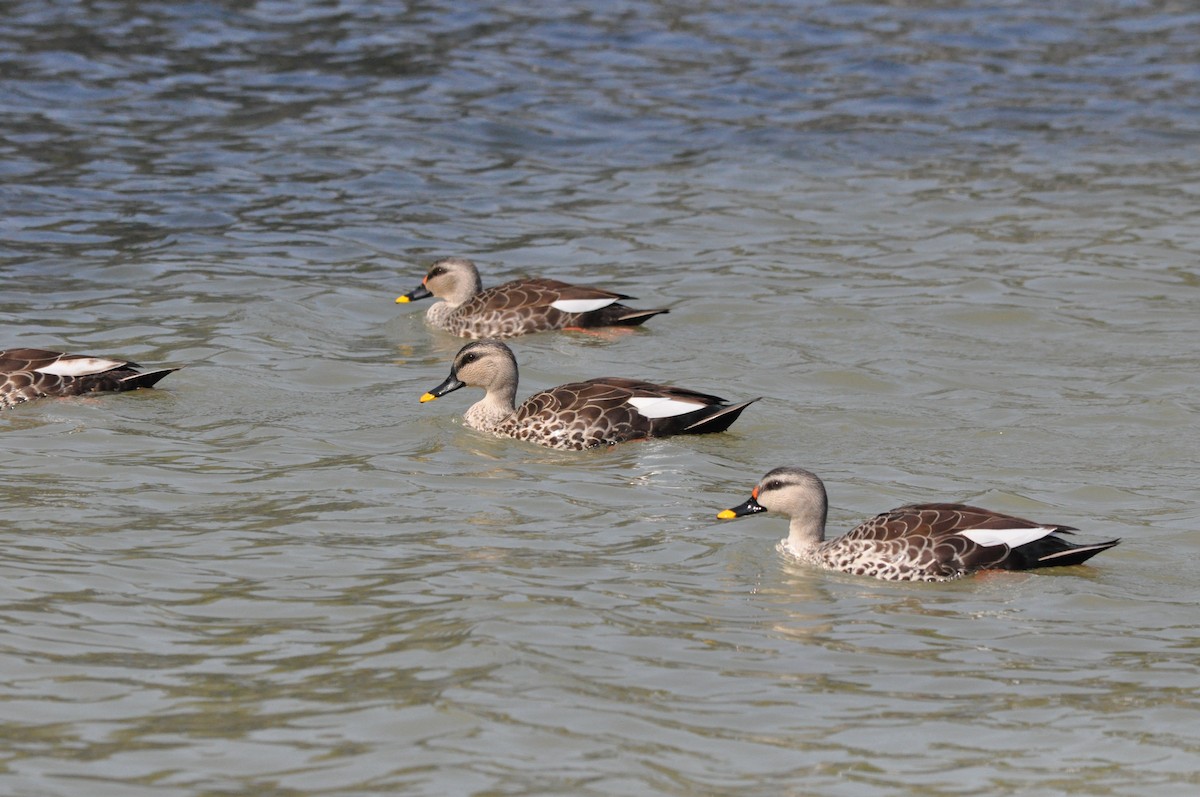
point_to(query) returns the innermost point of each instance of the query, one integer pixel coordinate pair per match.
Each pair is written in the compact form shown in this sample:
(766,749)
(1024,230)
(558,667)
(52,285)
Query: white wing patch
(80,366)
(1013,538)
(662,407)
(580,305)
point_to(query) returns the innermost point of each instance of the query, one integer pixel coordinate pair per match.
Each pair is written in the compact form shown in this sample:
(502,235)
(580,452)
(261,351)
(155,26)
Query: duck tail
(616,315)
(1074,554)
(633,318)
(148,379)
(719,419)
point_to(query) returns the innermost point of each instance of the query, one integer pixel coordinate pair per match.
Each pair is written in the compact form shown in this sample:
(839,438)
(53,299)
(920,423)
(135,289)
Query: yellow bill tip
(427,397)
(402,300)
(726,514)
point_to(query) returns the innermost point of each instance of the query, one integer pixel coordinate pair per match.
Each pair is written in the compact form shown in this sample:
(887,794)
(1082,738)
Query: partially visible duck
(578,415)
(919,542)
(34,373)
(518,307)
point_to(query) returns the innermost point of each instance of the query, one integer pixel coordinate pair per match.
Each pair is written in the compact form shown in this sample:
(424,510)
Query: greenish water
(953,247)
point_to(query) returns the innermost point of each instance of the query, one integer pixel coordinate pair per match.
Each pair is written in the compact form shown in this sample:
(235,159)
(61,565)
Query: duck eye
(469,358)
(437,272)
(774,484)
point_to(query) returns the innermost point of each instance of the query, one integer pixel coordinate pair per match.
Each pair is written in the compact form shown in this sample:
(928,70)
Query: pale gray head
(795,492)
(454,279)
(488,364)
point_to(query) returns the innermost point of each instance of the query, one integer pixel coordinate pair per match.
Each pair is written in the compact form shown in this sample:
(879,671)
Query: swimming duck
(34,373)
(919,542)
(578,415)
(518,307)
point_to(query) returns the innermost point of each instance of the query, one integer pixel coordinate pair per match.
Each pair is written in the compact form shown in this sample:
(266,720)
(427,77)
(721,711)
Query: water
(952,245)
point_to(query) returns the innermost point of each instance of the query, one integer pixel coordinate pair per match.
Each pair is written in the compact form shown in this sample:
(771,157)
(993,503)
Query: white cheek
(661,407)
(580,305)
(81,366)
(1013,538)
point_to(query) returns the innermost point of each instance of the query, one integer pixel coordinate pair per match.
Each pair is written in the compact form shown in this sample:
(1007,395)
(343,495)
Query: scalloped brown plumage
(35,373)
(518,307)
(579,415)
(918,542)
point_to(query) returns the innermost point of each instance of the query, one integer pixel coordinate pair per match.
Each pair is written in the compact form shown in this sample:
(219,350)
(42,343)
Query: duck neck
(466,286)
(487,413)
(437,312)
(806,532)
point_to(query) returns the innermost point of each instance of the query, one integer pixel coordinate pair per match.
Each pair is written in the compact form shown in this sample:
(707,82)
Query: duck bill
(419,292)
(750,507)
(451,384)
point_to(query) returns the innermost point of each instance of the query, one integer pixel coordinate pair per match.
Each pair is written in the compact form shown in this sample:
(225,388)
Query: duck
(28,374)
(578,415)
(518,307)
(917,542)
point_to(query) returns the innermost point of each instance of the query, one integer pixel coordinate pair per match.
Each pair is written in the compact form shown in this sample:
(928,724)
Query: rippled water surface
(952,244)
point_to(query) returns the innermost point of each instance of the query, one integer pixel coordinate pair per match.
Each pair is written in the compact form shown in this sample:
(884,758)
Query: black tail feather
(634,318)
(720,419)
(148,379)
(617,315)
(1074,554)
